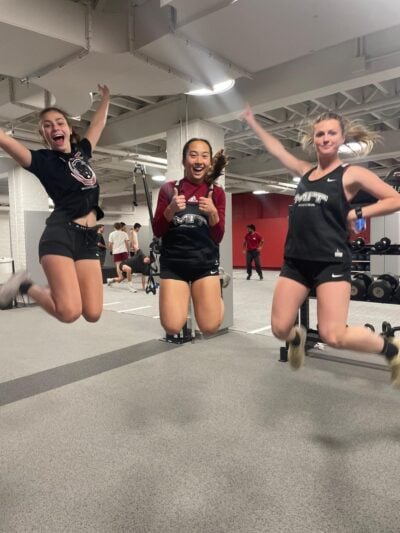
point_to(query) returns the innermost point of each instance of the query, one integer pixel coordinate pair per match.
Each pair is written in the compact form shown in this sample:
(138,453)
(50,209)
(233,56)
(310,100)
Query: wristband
(358,211)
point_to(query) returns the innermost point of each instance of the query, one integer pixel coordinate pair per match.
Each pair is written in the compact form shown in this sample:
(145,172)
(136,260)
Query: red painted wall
(269,214)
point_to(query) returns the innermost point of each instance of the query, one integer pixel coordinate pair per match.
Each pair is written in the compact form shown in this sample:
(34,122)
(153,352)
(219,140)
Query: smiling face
(56,131)
(197,161)
(328,137)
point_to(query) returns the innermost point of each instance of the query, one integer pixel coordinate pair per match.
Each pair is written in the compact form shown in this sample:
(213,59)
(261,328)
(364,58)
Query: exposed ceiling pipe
(72,57)
(153,62)
(203,49)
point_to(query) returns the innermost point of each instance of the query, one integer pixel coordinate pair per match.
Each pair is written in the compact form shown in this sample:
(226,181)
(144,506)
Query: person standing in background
(119,246)
(134,241)
(252,246)
(101,244)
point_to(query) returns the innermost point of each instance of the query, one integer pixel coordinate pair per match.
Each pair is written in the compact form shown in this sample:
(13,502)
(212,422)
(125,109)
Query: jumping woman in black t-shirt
(317,254)
(68,249)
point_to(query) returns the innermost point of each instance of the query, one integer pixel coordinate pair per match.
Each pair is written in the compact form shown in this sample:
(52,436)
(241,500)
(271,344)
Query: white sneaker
(110,281)
(131,288)
(394,364)
(224,277)
(11,287)
(296,354)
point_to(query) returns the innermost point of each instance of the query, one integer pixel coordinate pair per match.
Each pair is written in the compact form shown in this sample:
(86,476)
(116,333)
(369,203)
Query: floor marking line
(134,309)
(259,329)
(111,303)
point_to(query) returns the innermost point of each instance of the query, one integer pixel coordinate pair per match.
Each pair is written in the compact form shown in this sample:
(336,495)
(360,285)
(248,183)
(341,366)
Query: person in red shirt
(190,218)
(252,246)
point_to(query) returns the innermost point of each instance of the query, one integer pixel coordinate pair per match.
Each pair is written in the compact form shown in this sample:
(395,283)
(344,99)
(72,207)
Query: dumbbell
(383,245)
(360,284)
(382,289)
(396,296)
(358,245)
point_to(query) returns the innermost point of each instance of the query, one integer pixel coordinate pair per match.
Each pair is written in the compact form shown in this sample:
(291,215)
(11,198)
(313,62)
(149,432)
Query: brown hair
(219,161)
(75,137)
(352,130)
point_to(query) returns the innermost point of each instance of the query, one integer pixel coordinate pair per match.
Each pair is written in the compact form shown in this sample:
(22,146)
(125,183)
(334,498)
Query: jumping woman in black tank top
(317,254)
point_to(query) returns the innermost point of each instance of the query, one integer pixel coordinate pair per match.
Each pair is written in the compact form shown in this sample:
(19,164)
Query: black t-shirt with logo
(69,181)
(318,220)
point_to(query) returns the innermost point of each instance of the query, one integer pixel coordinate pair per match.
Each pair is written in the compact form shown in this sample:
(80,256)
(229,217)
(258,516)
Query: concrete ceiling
(290,59)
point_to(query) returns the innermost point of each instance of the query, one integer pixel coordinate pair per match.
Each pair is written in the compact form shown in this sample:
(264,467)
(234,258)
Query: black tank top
(318,220)
(188,241)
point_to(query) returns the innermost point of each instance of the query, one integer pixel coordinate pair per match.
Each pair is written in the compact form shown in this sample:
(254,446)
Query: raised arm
(15,149)
(297,167)
(99,118)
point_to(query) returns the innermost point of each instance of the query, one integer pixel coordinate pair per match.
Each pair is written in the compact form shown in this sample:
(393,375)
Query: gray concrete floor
(106,428)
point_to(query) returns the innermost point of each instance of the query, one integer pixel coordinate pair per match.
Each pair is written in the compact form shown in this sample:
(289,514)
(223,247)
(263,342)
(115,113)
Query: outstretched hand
(247,114)
(103,90)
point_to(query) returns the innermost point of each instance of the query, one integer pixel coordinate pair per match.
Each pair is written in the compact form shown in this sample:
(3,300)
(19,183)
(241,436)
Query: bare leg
(333,300)
(289,295)
(208,304)
(174,304)
(91,287)
(63,298)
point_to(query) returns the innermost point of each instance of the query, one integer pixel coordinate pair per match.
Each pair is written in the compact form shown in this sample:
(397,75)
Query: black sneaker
(248,277)
(10,289)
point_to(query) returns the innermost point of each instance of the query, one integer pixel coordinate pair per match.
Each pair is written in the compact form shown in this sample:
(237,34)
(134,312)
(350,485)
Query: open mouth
(58,139)
(198,169)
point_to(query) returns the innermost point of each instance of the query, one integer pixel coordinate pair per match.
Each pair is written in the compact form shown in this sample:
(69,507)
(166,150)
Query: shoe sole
(297,361)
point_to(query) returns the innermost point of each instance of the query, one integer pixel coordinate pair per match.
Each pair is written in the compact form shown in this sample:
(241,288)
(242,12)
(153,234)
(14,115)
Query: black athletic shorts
(313,273)
(185,273)
(69,239)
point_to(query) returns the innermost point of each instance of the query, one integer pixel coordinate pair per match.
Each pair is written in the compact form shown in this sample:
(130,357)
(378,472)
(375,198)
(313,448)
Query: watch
(358,211)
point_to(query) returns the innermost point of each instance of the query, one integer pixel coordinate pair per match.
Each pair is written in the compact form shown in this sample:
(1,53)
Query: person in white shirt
(118,242)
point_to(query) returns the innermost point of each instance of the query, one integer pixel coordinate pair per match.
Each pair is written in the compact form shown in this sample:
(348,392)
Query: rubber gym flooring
(105,428)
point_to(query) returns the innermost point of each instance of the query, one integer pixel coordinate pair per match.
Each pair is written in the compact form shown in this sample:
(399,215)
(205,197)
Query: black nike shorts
(69,239)
(185,273)
(313,273)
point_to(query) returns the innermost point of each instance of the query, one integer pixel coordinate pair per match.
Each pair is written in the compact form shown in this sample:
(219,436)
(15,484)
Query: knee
(209,329)
(332,337)
(171,329)
(68,315)
(92,316)
(279,330)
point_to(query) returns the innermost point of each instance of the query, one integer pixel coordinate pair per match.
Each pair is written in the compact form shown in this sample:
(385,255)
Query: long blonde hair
(352,130)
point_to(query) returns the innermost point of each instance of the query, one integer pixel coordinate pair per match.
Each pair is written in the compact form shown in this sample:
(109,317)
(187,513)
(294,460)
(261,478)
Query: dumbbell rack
(313,337)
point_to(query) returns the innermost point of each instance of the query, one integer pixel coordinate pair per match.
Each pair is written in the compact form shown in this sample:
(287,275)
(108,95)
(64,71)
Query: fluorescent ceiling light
(158,178)
(218,88)
(287,185)
(260,192)
(352,148)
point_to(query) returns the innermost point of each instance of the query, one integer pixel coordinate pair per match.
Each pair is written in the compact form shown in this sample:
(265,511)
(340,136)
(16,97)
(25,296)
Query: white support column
(387,226)
(25,194)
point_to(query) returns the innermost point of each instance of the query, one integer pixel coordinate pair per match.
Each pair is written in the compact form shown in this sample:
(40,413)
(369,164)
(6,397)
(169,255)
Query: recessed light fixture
(218,88)
(158,178)
(260,191)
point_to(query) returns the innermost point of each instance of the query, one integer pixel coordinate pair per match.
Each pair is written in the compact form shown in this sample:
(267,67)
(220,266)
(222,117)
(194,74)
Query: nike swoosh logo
(330,179)
(213,271)
(337,275)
